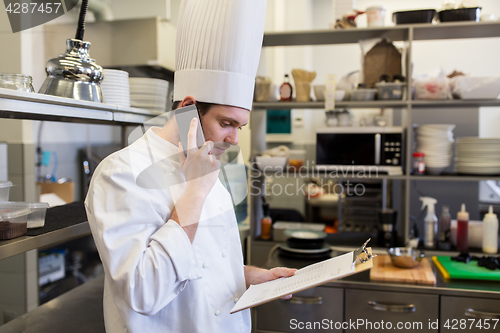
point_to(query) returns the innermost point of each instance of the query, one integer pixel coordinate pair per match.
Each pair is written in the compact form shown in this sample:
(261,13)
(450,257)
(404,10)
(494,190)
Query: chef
(163,223)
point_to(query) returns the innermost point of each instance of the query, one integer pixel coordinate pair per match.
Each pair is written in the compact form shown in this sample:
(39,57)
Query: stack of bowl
(149,94)
(477,156)
(436,142)
(115,87)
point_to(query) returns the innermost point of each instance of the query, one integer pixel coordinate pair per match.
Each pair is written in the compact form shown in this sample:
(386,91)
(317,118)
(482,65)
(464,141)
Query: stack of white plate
(115,87)
(477,156)
(149,94)
(436,142)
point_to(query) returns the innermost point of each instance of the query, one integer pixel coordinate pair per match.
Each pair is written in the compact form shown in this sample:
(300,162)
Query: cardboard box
(65,191)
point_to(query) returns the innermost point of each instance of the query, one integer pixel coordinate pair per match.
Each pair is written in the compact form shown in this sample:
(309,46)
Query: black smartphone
(183,116)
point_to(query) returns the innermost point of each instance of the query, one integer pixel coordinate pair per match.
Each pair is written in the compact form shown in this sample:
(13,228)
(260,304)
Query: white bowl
(470,87)
(265,163)
(319,92)
(439,127)
(339,95)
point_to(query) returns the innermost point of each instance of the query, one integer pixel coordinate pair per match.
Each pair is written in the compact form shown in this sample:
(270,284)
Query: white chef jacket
(155,279)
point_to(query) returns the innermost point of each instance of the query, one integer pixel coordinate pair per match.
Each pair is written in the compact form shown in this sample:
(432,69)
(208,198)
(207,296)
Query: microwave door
(348,149)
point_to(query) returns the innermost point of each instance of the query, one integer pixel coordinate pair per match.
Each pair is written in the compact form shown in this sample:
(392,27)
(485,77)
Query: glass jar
(418,163)
(18,82)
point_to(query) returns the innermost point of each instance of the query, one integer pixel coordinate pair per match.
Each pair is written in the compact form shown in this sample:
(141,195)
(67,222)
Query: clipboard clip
(361,255)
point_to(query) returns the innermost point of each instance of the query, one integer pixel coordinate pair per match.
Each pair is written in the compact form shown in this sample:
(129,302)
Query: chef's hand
(256,275)
(200,167)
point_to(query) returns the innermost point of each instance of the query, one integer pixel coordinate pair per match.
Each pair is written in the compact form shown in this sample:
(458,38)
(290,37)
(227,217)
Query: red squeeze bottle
(462,230)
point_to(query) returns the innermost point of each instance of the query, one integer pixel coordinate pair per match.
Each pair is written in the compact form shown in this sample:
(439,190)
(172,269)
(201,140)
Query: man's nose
(233,137)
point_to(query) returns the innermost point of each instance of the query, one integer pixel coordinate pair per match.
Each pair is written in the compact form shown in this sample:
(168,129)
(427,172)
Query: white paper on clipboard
(305,278)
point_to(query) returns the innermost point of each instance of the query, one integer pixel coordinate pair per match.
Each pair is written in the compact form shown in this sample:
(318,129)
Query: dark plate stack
(414,16)
(305,244)
(460,14)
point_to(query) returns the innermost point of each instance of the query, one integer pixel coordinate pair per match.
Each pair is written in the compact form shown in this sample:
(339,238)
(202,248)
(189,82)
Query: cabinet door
(318,306)
(466,314)
(376,311)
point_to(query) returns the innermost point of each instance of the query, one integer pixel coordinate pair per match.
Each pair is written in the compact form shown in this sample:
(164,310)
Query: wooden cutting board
(384,270)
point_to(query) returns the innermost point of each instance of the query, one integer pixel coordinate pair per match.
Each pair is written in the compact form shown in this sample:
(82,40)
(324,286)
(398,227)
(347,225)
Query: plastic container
(432,88)
(418,163)
(375,16)
(4,191)
(390,90)
(296,159)
(36,218)
(460,14)
(262,89)
(363,94)
(414,16)
(13,221)
(270,164)
(476,87)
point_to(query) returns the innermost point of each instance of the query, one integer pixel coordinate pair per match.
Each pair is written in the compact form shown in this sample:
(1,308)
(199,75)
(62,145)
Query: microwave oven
(373,149)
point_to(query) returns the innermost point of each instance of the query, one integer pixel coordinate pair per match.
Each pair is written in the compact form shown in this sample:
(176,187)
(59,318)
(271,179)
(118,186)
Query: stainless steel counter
(463,288)
(79,310)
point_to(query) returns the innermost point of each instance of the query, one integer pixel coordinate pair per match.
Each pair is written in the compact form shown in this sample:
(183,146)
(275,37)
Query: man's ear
(188,100)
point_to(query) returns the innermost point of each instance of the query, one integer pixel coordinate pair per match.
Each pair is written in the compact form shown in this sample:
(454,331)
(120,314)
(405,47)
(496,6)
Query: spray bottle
(445,230)
(430,222)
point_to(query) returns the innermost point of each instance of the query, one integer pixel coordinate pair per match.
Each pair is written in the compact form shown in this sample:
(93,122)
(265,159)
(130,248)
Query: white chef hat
(218,50)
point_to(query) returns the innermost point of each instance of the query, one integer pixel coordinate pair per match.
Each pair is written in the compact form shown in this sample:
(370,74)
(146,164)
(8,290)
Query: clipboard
(310,276)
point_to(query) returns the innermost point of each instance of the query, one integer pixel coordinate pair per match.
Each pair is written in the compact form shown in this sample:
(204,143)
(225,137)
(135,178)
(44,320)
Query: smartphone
(183,116)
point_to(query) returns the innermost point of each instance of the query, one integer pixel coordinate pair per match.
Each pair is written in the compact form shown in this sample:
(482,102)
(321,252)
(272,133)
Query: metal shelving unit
(23,105)
(404,33)
(453,178)
(22,244)
(350,175)
(415,104)
(454,103)
(320,173)
(321,105)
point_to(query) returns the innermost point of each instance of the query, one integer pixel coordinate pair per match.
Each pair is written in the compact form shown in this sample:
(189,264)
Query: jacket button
(221,208)
(217,312)
(173,170)
(236,299)
(224,254)
(204,265)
